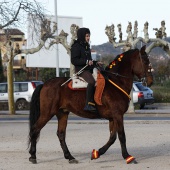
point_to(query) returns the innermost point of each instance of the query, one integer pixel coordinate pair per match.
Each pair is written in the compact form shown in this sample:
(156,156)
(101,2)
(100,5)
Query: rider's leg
(90,104)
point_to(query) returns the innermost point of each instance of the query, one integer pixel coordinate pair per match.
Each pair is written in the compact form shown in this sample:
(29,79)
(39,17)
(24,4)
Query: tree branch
(14,18)
(132,39)
(62,38)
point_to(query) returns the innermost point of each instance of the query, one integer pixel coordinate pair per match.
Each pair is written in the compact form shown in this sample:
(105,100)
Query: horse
(51,99)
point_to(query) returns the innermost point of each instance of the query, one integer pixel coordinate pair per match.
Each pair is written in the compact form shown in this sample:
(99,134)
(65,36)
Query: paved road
(147,131)
(148,141)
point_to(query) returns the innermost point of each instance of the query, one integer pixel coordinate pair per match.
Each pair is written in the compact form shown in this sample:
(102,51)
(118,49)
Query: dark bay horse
(53,99)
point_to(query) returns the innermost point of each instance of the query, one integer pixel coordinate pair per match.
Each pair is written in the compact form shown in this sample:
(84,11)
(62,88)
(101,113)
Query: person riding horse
(52,99)
(80,57)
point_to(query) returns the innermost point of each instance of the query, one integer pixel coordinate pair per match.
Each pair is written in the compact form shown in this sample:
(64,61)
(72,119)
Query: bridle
(149,70)
(143,79)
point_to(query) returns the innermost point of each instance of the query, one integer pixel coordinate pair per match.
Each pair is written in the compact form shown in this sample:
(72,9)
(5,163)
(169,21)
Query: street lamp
(57,53)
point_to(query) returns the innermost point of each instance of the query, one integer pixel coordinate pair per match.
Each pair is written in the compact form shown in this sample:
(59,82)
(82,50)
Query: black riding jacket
(80,55)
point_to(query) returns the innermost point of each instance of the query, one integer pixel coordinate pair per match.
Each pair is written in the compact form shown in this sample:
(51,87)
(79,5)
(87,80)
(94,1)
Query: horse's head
(133,62)
(147,68)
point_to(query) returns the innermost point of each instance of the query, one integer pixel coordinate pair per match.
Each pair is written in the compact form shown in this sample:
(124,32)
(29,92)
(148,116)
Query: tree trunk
(72,70)
(131,108)
(10,88)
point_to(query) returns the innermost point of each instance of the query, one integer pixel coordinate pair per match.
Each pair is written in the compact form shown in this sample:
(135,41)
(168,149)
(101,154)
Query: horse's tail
(34,112)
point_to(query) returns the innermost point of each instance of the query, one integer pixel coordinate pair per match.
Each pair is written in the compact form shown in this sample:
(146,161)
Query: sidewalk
(145,114)
(157,111)
(156,108)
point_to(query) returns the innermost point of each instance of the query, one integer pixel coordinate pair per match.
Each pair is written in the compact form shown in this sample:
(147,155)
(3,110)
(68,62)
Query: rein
(117,74)
(102,71)
(119,88)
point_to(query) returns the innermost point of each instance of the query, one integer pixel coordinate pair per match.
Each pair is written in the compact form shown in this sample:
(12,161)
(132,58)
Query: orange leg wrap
(129,159)
(95,154)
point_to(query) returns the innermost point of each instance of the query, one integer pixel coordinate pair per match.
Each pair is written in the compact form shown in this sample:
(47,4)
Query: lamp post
(57,53)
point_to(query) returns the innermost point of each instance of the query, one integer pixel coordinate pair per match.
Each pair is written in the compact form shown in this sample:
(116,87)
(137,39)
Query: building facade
(18,37)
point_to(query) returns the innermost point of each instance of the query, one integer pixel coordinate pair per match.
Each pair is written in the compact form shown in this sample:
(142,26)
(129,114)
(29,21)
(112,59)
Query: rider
(80,57)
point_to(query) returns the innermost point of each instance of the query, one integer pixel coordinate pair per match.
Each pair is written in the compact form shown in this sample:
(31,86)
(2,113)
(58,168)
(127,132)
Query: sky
(97,14)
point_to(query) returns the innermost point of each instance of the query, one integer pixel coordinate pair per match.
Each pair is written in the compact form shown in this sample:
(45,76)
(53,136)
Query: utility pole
(57,53)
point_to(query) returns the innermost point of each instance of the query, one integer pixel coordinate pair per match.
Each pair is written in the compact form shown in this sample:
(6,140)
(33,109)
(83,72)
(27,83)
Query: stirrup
(90,107)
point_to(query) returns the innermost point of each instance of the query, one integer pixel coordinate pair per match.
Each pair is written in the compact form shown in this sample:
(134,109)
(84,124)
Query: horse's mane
(119,58)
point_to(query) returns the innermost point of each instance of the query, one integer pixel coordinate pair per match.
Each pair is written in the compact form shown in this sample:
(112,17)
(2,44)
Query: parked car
(22,93)
(142,95)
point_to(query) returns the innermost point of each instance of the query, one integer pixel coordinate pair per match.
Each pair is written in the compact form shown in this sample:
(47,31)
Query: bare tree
(14,14)
(33,11)
(133,39)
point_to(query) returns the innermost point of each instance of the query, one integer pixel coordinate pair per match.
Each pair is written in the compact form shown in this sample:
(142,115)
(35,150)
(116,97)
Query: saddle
(78,83)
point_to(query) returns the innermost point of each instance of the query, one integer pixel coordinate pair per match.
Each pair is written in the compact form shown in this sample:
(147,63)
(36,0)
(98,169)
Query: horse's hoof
(73,161)
(131,160)
(134,161)
(33,160)
(95,154)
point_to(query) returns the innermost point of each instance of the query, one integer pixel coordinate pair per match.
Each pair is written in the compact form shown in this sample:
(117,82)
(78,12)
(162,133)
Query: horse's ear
(142,50)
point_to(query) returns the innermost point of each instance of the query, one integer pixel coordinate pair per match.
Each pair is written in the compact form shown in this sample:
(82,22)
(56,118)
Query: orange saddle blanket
(99,88)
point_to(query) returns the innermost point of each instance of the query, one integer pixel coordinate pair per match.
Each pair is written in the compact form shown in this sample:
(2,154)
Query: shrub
(161,93)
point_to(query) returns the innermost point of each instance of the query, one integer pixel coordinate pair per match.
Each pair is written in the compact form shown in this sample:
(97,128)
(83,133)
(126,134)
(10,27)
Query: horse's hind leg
(34,134)
(122,138)
(61,133)
(108,144)
(33,140)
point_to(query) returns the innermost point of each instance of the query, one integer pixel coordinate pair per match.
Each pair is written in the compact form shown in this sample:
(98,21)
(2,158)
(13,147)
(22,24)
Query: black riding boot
(90,105)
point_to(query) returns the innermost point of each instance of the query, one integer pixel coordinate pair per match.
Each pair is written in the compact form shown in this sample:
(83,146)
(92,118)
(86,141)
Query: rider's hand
(90,62)
(100,63)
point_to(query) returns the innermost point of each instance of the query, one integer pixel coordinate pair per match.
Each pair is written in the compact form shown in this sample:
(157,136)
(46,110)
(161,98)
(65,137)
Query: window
(23,87)
(20,87)
(3,88)
(37,83)
(16,87)
(16,39)
(141,87)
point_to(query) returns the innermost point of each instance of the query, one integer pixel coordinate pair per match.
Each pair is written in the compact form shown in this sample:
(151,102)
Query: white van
(22,93)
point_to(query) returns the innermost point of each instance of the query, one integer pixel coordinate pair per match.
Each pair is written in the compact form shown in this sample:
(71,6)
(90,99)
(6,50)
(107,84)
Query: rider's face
(87,38)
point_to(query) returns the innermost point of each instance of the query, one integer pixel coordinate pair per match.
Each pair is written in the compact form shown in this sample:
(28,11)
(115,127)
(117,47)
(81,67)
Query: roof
(13,32)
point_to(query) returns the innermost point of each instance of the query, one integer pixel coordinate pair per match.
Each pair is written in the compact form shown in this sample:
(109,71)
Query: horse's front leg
(122,139)
(61,133)
(101,151)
